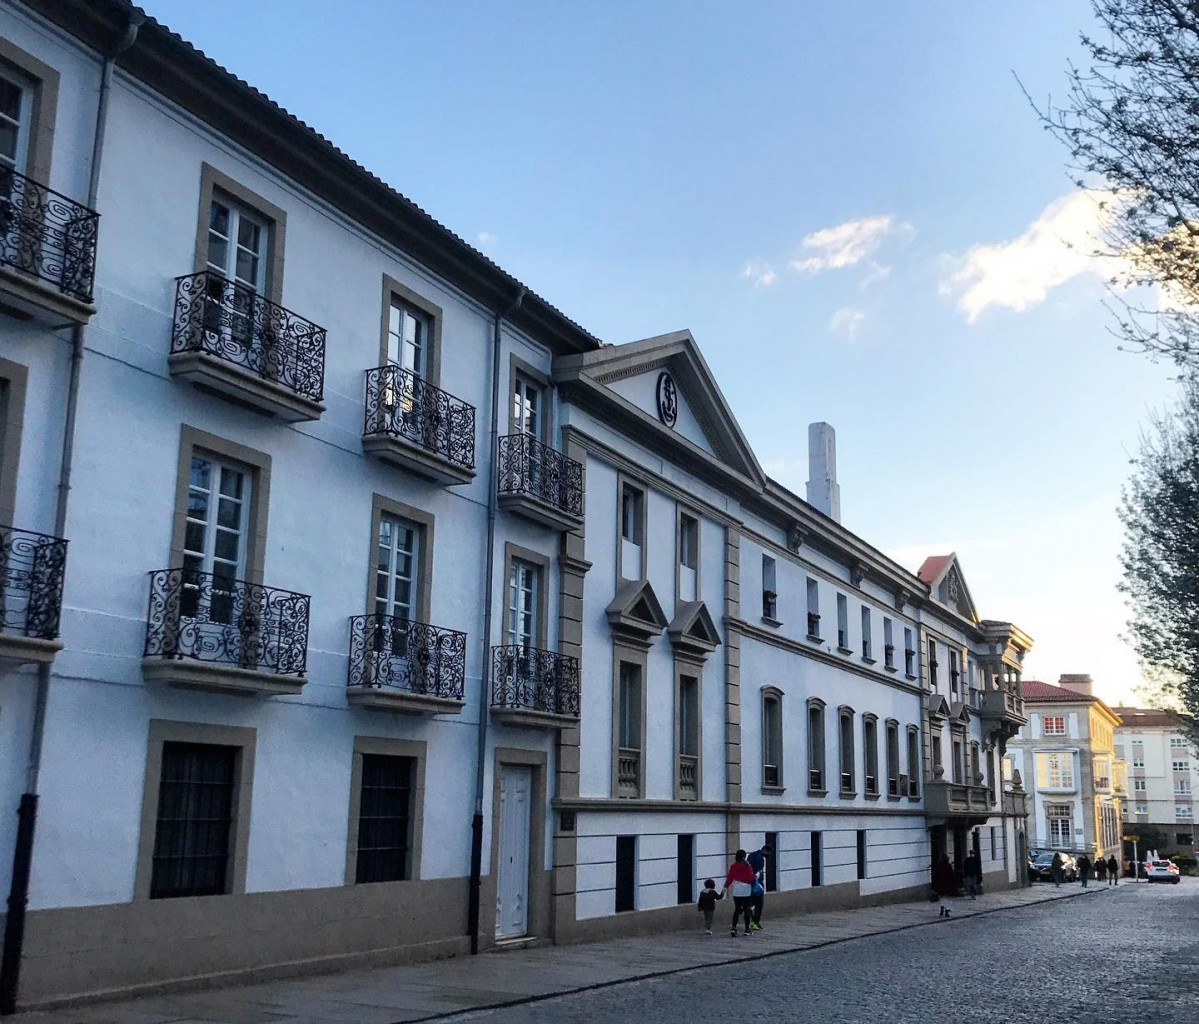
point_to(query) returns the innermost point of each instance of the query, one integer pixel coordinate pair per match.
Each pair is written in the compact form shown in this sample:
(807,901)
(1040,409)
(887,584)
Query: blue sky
(852,207)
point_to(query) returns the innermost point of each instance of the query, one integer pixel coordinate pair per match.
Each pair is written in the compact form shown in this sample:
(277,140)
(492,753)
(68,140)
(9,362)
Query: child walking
(707,903)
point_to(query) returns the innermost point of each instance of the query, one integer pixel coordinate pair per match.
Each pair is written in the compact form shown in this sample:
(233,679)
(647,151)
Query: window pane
(10,99)
(384,818)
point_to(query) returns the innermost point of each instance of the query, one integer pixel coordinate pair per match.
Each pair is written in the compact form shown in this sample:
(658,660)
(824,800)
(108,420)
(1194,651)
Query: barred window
(195,817)
(385,819)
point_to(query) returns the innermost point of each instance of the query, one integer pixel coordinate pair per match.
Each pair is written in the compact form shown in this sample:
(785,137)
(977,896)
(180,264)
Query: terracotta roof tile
(1148,718)
(1038,692)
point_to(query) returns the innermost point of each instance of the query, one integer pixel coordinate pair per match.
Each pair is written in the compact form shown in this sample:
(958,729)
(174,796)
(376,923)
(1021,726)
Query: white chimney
(1078,682)
(823,492)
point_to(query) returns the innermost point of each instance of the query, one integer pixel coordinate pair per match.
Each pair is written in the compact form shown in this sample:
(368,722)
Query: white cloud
(846,244)
(847,321)
(486,238)
(1057,246)
(760,272)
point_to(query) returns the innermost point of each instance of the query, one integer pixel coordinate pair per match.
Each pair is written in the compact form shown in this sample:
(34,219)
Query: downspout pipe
(476,827)
(22,861)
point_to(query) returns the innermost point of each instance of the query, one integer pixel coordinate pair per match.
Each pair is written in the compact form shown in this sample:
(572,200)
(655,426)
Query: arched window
(845,748)
(870,752)
(772,738)
(816,781)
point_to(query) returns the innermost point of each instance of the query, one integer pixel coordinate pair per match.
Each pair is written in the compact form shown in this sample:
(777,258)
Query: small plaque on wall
(566,821)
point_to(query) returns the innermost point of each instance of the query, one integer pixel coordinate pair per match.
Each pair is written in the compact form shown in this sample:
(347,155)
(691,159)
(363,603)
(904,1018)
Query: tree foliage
(1131,121)
(1160,556)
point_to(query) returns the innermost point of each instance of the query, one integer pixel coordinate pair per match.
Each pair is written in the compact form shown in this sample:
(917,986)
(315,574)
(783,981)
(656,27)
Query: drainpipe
(476,828)
(22,860)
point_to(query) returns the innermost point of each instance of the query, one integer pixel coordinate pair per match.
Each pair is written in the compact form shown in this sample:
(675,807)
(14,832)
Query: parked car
(1162,871)
(1042,867)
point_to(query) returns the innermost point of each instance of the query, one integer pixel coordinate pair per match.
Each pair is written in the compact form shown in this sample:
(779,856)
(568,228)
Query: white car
(1162,871)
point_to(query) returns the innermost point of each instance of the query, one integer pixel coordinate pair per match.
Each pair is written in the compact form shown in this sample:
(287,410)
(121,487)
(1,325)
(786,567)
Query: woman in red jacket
(741,881)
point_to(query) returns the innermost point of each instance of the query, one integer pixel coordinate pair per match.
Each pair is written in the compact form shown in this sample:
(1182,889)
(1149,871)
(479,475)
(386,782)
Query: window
(1061,826)
(214,539)
(688,557)
(976,769)
(1181,766)
(1184,838)
(1182,812)
(955,671)
(1102,772)
(888,643)
(524,585)
(16,101)
(685,861)
(994,843)
(958,762)
(1138,761)
(866,637)
(632,531)
(842,622)
(770,597)
(1182,786)
(385,818)
(689,716)
(1054,725)
(861,853)
(870,749)
(1138,785)
(772,739)
(816,745)
(894,783)
(816,858)
(194,822)
(626,873)
(396,562)
(28,109)
(1142,808)
(1055,771)
(937,758)
(913,762)
(932,664)
(237,238)
(909,653)
(630,706)
(813,608)
(526,406)
(772,862)
(845,749)
(1178,741)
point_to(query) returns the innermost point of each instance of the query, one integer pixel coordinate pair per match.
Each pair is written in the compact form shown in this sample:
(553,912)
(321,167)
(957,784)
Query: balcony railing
(32,566)
(391,653)
(401,404)
(628,772)
(233,323)
(1002,703)
(48,236)
(770,775)
(530,679)
(528,467)
(199,616)
(814,624)
(688,776)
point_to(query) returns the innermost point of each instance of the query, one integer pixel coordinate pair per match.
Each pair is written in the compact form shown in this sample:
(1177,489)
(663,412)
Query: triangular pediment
(661,390)
(693,631)
(938,706)
(635,613)
(947,584)
(959,711)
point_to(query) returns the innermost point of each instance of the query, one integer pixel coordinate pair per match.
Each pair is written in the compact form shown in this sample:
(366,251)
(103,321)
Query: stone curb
(671,971)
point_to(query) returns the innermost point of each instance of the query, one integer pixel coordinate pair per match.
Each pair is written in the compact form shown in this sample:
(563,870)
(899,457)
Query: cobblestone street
(1127,955)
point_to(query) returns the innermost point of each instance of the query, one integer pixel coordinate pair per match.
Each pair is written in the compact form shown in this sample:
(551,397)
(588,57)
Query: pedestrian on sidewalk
(1057,870)
(973,873)
(707,903)
(757,861)
(1113,870)
(1100,870)
(945,884)
(1084,869)
(740,881)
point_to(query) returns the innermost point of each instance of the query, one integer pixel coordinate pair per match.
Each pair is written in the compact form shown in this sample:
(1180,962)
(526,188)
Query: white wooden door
(512,889)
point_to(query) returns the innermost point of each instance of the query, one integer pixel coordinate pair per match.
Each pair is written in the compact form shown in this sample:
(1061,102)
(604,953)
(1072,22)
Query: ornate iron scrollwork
(531,468)
(403,404)
(531,679)
(392,653)
(236,325)
(45,234)
(32,568)
(233,622)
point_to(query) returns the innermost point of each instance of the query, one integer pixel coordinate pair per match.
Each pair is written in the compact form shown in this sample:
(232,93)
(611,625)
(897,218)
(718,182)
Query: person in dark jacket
(1057,870)
(1113,870)
(1084,869)
(757,861)
(1100,869)
(972,870)
(741,881)
(707,903)
(944,884)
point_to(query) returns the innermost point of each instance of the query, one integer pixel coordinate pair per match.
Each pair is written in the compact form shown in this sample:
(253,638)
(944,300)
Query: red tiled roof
(1039,692)
(933,566)
(1148,718)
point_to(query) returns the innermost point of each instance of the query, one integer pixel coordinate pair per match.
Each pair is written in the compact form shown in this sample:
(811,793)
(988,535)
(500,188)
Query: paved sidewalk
(392,995)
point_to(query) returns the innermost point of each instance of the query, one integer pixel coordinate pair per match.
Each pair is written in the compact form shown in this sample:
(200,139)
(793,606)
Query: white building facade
(1164,773)
(349,587)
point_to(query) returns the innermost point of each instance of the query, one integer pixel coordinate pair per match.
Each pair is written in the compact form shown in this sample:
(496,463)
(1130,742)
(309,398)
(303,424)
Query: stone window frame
(425,521)
(387,747)
(244,739)
(192,440)
(958,737)
(516,553)
(846,714)
(15,380)
(43,110)
(625,480)
(820,748)
(768,694)
(628,654)
(694,670)
(394,291)
(870,724)
(517,368)
(915,780)
(682,509)
(214,182)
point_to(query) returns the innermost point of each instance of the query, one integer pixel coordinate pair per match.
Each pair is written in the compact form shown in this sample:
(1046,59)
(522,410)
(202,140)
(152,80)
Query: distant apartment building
(1165,774)
(1070,766)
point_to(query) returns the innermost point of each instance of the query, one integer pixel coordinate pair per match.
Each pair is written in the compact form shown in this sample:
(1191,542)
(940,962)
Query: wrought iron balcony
(532,686)
(218,633)
(415,425)
(406,666)
(32,567)
(228,338)
(52,239)
(539,483)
